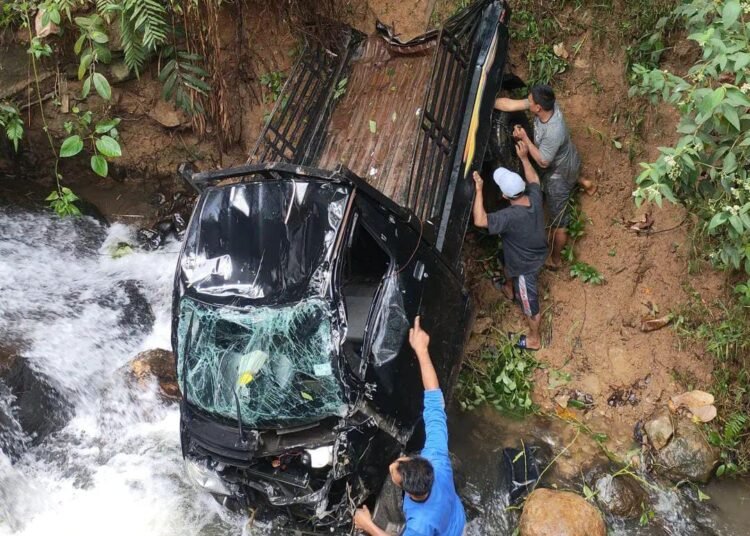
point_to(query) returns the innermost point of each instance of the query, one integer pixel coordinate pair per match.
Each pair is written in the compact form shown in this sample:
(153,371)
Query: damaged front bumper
(312,473)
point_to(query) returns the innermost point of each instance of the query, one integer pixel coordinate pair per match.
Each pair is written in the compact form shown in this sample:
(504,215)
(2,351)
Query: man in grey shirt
(521,227)
(554,152)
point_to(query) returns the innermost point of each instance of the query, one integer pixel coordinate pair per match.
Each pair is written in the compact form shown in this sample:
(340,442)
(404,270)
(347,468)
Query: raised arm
(511,105)
(522,150)
(478,213)
(435,419)
(420,341)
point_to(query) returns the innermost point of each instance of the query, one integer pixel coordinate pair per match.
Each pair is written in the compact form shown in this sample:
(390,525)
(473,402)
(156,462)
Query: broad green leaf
(306,396)
(702,496)
(730,163)
(741,60)
(736,223)
(712,100)
(86,60)
(99,37)
(730,13)
(99,165)
(108,146)
(53,196)
(79,44)
(731,115)
(71,146)
(86,88)
(54,16)
(102,86)
(104,127)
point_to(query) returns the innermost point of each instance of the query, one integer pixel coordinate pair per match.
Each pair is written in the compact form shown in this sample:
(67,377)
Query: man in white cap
(521,227)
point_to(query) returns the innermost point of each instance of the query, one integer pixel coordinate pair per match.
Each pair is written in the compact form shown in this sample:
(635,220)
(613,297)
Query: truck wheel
(502,146)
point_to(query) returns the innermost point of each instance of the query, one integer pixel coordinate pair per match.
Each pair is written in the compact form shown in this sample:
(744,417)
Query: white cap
(510,183)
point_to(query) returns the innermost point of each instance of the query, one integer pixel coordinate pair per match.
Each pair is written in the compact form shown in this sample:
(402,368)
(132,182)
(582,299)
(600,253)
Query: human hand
(418,338)
(362,518)
(478,181)
(522,150)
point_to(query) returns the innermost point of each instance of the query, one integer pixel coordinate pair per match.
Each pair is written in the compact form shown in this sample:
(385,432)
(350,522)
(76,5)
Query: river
(77,315)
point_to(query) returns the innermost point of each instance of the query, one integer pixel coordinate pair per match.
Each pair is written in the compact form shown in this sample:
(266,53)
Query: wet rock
(167,115)
(688,456)
(134,310)
(31,402)
(160,364)
(560,513)
(620,496)
(178,225)
(659,429)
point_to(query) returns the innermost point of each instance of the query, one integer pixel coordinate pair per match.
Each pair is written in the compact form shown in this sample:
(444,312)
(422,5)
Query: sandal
(522,342)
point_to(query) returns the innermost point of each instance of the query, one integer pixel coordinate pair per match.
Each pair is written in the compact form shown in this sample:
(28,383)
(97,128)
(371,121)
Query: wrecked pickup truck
(302,270)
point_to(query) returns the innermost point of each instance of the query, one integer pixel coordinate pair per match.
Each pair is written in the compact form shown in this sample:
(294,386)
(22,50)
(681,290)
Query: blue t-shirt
(442,514)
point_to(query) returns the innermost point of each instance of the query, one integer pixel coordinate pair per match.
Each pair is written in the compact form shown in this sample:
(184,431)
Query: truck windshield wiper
(239,418)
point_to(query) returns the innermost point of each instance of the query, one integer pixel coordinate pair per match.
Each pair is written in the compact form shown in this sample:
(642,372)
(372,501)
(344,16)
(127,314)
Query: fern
(149,19)
(180,76)
(134,51)
(734,426)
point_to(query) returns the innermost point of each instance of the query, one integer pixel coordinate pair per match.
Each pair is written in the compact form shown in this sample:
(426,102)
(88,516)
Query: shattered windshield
(267,241)
(272,365)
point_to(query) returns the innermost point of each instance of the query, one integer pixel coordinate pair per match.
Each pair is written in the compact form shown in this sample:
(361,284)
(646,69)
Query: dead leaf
(560,51)
(562,400)
(704,413)
(693,399)
(565,413)
(644,224)
(652,324)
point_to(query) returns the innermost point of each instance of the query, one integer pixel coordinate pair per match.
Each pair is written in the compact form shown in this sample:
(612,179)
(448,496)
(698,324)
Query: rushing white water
(78,314)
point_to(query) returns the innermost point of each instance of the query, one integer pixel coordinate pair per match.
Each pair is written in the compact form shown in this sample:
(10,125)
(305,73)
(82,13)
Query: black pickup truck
(302,270)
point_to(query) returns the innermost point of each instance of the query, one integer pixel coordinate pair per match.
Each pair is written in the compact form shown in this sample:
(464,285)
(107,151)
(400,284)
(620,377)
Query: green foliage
(742,291)
(102,135)
(586,273)
(11,122)
(180,75)
(62,202)
(726,337)
(706,168)
(544,65)
(274,82)
(501,376)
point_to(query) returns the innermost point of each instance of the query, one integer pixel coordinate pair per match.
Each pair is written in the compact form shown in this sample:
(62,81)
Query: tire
(502,151)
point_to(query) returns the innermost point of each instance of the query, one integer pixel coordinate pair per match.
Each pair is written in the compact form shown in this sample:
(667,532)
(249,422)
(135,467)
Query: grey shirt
(553,141)
(522,231)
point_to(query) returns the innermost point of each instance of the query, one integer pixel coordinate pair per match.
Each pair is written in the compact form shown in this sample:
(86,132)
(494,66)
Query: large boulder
(30,407)
(158,364)
(620,496)
(560,513)
(688,456)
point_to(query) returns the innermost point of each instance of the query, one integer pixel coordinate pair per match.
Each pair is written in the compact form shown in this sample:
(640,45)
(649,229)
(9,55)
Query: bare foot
(552,266)
(589,186)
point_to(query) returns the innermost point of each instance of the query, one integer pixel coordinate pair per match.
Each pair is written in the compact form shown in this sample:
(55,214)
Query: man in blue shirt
(431,505)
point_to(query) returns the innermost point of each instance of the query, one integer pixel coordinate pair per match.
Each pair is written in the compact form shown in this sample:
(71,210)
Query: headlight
(320,457)
(206,478)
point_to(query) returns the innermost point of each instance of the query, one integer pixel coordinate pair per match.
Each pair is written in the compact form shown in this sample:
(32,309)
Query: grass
(724,330)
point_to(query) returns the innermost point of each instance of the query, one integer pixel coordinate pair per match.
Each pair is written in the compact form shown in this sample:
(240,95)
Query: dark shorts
(525,291)
(558,191)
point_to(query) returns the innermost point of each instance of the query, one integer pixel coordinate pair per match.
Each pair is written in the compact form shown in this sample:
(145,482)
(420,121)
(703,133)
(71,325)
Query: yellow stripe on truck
(471,140)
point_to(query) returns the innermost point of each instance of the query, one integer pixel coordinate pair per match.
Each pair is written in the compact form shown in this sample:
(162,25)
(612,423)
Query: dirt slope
(595,329)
